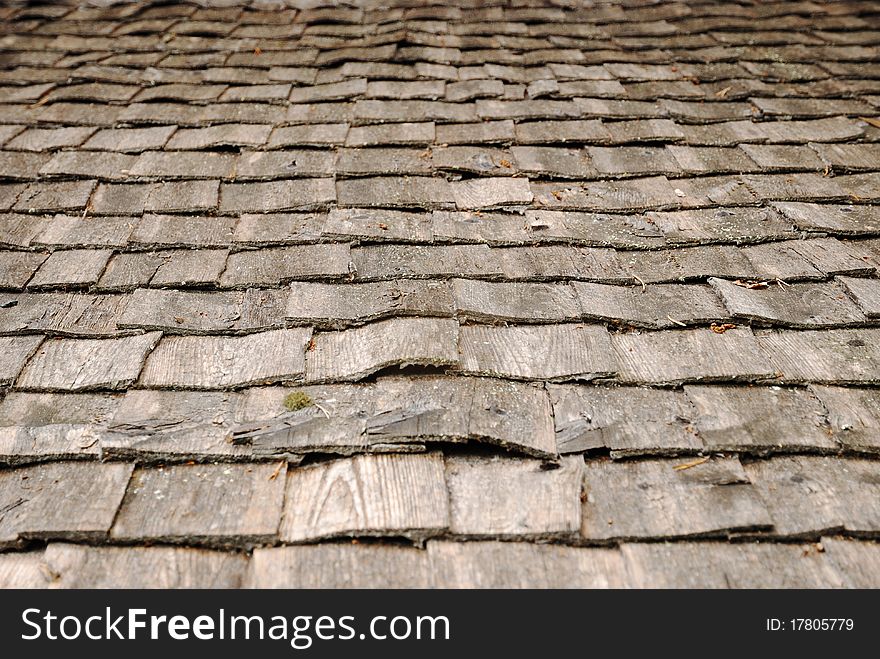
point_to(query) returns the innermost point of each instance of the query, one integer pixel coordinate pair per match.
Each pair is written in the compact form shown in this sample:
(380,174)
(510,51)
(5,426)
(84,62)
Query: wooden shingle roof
(460,294)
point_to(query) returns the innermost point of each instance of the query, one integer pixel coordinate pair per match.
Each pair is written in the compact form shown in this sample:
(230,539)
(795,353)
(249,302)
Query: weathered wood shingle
(46,501)
(552,352)
(83,364)
(209,362)
(356,353)
(385,495)
(225,504)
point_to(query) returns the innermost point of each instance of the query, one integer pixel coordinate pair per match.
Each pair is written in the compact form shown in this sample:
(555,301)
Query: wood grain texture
(84,364)
(557,262)
(858,563)
(627,420)
(209,362)
(653,499)
(397,412)
(151,425)
(759,418)
(77,566)
(553,352)
(212,504)
(865,292)
(514,498)
(829,356)
(807,305)
(514,302)
(331,565)
(690,355)
(656,307)
(70,268)
(809,495)
(723,565)
(185,312)
(342,305)
(37,427)
(47,501)
(16,268)
(853,415)
(22,570)
(62,314)
(386,262)
(353,354)
(15,351)
(368,495)
(523,565)
(276,266)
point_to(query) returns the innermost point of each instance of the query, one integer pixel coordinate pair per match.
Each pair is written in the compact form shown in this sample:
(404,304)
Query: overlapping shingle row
(512,294)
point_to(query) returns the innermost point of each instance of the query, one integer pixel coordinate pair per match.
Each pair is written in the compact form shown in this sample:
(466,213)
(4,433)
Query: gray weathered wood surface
(384,495)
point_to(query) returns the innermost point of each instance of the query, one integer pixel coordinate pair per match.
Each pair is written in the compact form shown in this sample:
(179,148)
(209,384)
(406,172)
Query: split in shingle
(77,231)
(308,135)
(152,425)
(657,306)
(384,495)
(865,292)
(831,218)
(382,262)
(16,268)
(722,225)
(166,165)
(396,414)
(17,350)
(109,166)
(183,197)
(227,505)
(853,415)
(514,302)
(479,133)
(553,162)
(561,262)
(361,162)
(491,193)
(72,314)
(382,134)
(549,132)
(354,354)
(848,156)
(405,192)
